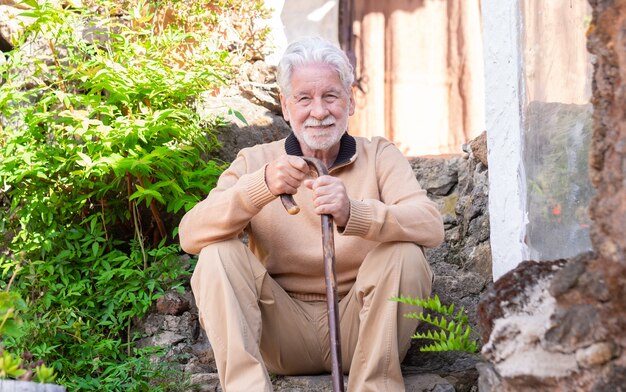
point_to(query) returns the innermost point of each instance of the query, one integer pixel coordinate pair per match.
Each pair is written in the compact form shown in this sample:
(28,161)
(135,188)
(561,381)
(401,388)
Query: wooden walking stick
(328,244)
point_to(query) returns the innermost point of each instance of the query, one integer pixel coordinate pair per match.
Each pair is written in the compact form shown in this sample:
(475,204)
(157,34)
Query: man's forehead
(311,89)
(314,71)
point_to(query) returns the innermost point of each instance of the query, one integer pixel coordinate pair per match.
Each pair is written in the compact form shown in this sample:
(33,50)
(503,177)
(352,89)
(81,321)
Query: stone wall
(459,185)
(560,325)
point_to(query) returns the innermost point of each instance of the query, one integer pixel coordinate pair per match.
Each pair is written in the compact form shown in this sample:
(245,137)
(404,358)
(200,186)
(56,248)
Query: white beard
(320,140)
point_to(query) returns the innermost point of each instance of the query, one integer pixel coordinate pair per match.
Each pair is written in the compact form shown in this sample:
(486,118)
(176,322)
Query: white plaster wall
(504,89)
(293,19)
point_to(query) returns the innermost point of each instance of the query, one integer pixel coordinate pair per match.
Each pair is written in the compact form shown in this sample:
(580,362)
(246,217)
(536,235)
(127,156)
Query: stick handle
(288,202)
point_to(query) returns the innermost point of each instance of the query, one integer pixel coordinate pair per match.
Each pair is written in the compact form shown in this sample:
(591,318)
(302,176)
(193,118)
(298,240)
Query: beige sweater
(386,204)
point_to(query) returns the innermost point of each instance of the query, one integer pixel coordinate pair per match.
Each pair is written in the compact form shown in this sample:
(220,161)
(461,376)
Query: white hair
(313,50)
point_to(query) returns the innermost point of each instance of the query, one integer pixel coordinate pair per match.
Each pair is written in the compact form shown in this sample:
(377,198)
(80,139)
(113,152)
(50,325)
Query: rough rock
(258,85)
(437,175)
(488,379)
(173,304)
(544,332)
(514,317)
(457,368)
(462,263)
(206,382)
(12,25)
(595,354)
(413,383)
(256,100)
(511,293)
(261,125)
(477,148)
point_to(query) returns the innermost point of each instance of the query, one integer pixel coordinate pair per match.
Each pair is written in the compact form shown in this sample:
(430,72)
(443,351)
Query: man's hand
(330,197)
(285,174)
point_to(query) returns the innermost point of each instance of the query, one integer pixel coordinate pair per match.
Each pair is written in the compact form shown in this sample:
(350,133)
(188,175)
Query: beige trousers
(254,326)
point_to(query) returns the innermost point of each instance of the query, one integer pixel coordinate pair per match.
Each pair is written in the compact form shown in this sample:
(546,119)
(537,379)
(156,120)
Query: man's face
(318,106)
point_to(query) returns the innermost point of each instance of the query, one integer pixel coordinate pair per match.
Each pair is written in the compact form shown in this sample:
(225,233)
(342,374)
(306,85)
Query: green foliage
(23,369)
(454,331)
(234,25)
(101,151)
(11,303)
(44,374)
(10,366)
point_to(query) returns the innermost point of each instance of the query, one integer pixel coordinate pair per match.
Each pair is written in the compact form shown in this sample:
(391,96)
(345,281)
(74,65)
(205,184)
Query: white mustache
(312,122)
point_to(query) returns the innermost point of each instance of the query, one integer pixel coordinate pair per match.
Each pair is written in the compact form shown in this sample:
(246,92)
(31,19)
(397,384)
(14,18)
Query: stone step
(415,380)
(323,383)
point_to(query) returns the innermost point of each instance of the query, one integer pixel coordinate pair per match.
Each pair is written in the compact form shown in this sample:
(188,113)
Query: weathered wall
(419,73)
(608,169)
(503,74)
(576,309)
(603,283)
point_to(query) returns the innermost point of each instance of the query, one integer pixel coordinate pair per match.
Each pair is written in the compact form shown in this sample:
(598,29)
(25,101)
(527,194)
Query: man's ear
(283,106)
(352,102)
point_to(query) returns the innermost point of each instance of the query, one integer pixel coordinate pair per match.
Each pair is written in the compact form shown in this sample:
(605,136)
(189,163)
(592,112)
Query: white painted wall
(504,89)
(293,19)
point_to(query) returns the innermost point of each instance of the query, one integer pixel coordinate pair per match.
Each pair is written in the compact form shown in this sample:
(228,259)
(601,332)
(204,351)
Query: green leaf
(449,335)
(85,159)
(238,114)
(147,194)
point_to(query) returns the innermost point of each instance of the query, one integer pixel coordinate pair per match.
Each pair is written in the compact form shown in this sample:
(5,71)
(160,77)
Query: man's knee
(399,253)
(403,261)
(227,254)
(226,271)
(417,277)
(413,258)
(221,251)
(219,260)
(409,259)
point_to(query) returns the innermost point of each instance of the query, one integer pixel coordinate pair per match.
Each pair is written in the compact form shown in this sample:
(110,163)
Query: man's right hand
(285,174)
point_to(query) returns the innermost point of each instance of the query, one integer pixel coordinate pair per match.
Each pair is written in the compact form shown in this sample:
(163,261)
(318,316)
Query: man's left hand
(330,197)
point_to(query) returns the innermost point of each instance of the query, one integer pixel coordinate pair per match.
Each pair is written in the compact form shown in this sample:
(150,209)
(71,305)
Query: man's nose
(319,110)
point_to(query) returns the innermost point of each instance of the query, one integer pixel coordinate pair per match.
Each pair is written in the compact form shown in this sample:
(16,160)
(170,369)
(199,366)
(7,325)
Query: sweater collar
(347,149)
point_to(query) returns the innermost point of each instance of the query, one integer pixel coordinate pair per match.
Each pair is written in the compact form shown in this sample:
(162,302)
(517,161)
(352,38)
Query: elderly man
(263,306)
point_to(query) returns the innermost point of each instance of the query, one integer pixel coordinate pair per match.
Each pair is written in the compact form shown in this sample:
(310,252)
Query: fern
(454,329)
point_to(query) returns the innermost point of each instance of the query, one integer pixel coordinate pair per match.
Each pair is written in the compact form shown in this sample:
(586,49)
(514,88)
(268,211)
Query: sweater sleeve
(403,213)
(227,210)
